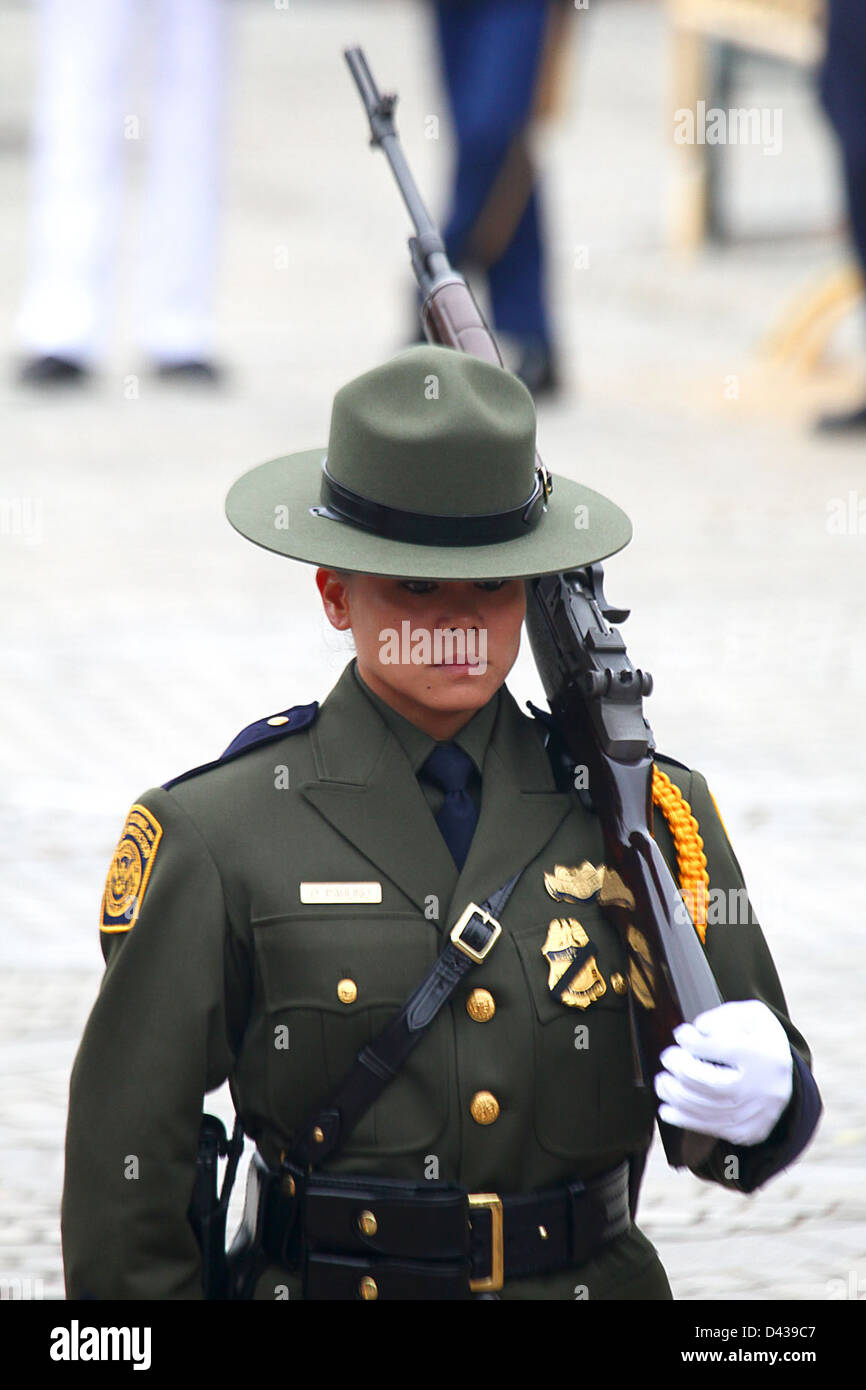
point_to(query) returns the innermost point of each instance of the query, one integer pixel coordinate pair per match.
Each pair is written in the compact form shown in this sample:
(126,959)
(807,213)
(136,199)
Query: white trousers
(86,119)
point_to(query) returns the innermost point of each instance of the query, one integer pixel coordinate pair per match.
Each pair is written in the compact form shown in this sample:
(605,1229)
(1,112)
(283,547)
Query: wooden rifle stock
(451,317)
(594,693)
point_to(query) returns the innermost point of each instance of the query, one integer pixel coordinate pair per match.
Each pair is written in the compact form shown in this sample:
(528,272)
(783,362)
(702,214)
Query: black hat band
(339,503)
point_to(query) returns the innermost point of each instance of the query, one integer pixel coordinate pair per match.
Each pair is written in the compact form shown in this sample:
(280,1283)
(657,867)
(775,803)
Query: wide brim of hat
(270,505)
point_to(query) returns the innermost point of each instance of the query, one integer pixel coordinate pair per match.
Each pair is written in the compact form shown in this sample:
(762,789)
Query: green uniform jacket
(225,972)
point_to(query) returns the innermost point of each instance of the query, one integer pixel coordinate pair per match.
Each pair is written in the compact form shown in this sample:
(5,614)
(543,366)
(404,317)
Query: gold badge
(130,870)
(614,892)
(574,885)
(574,976)
(641,975)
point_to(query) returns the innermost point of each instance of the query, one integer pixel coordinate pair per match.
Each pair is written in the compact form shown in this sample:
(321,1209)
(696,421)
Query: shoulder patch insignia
(130,870)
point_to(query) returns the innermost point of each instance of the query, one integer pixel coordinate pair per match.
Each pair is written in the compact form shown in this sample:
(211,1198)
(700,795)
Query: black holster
(208,1206)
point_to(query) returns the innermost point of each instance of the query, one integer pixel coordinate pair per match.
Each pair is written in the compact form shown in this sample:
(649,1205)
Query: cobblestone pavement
(138,635)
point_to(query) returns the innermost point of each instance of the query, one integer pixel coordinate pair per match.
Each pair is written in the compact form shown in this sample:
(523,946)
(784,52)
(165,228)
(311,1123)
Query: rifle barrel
(380,112)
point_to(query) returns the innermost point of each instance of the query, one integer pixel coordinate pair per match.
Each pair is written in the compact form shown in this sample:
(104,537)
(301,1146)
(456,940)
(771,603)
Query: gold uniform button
(368,1288)
(481,1005)
(367,1223)
(484,1108)
(619,983)
(277,719)
(347,991)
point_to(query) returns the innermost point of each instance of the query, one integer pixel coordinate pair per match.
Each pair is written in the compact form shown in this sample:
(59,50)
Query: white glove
(730,1075)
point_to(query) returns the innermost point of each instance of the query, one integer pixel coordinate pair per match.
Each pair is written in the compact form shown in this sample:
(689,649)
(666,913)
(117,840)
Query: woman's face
(435,651)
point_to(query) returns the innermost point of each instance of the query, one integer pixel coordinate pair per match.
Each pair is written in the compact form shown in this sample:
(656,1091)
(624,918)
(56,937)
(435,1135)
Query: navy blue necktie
(450,768)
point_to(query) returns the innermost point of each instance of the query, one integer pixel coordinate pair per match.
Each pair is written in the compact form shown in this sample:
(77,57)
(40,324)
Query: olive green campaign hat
(430,473)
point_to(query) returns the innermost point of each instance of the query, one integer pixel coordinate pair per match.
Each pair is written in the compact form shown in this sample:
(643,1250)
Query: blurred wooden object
(790,30)
(555,78)
(798,341)
(706,37)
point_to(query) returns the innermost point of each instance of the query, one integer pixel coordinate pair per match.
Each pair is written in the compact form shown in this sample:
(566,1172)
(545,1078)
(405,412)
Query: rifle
(594,692)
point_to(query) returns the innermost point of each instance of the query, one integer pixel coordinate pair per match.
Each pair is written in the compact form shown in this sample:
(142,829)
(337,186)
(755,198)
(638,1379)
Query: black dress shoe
(537,370)
(848,422)
(52,371)
(194,370)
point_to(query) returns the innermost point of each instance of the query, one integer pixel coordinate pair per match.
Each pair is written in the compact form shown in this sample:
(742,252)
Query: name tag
(341,892)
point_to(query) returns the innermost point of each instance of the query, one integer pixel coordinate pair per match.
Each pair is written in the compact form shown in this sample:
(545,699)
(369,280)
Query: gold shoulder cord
(691,860)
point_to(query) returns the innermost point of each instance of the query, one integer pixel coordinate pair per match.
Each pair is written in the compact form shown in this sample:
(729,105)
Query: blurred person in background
(82,119)
(843,92)
(497,58)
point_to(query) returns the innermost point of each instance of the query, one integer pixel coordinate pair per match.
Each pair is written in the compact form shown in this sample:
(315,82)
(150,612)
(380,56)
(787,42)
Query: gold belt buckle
(473,910)
(493,1281)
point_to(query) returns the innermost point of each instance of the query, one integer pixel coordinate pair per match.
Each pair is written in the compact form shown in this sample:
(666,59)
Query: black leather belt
(367,1238)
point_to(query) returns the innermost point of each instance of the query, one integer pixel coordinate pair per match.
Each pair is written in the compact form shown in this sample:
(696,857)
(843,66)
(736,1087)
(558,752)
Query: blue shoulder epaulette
(287,721)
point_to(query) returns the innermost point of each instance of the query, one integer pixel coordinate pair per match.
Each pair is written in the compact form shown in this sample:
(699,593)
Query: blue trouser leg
(516,280)
(490,54)
(843,89)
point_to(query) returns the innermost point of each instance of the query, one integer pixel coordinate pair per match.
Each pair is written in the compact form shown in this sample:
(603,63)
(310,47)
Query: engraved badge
(574,977)
(574,885)
(130,870)
(614,892)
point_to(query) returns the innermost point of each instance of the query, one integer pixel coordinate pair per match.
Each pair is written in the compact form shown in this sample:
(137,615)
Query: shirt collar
(473,738)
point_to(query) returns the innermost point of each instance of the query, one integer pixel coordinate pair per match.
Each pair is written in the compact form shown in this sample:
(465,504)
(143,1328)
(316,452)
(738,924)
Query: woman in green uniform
(267,915)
